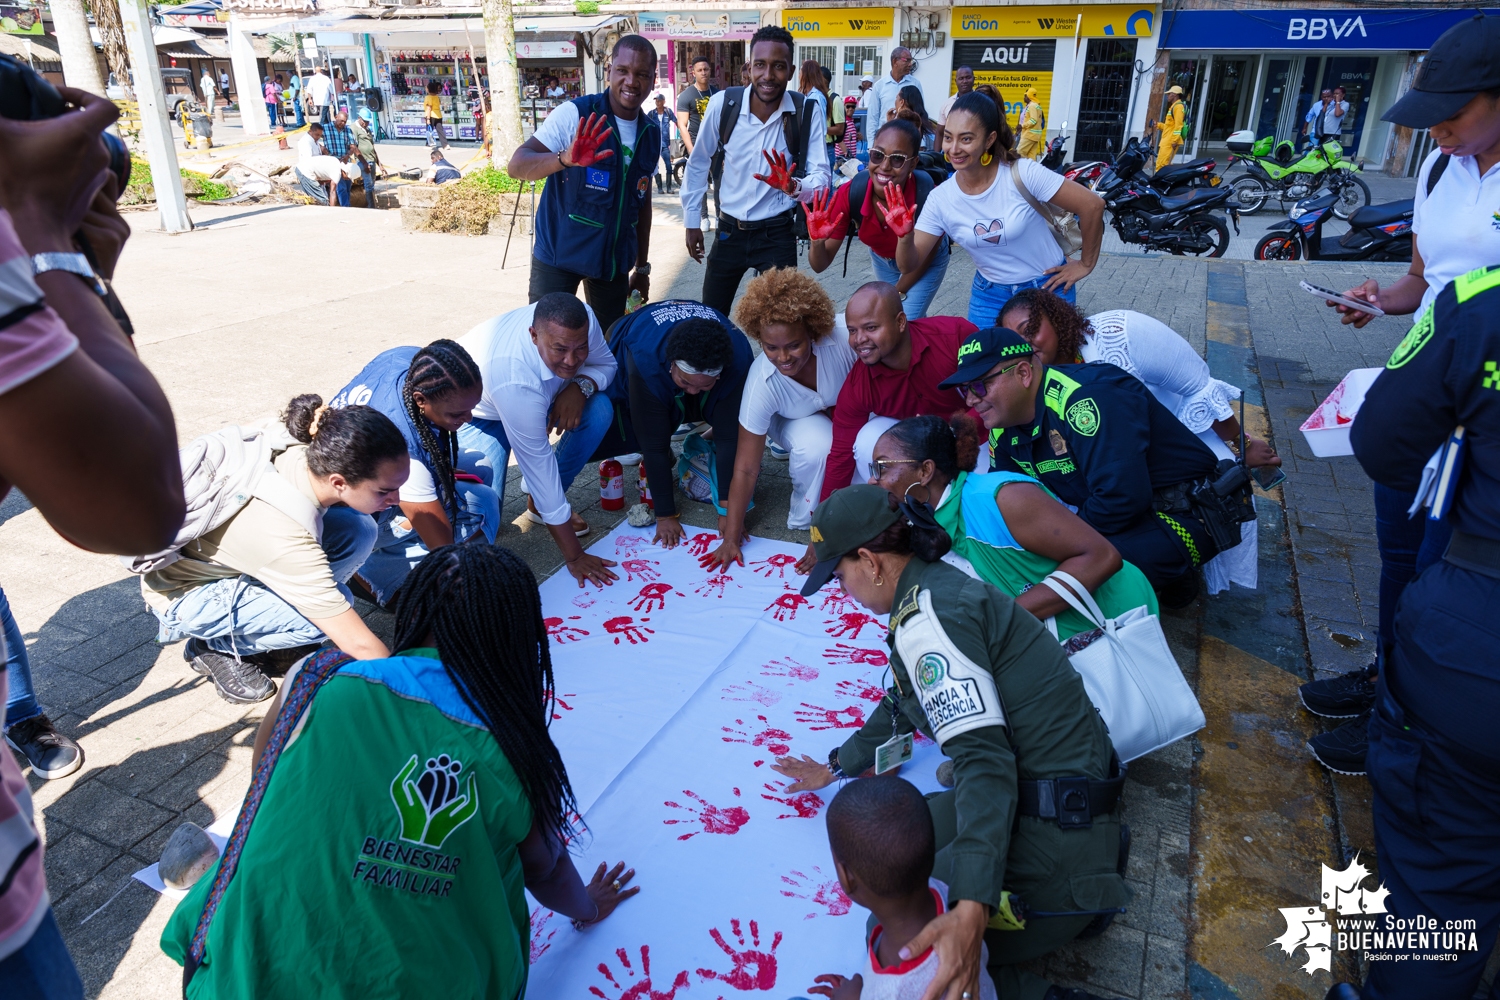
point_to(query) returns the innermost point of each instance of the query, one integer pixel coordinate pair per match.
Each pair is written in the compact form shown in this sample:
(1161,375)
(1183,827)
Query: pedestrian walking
(432,115)
(296,98)
(207,87)
(692,105)
(320,92)
(272,94)
(1173,126)
(1311,121)
(963,81)
(665,122)
(1032,127)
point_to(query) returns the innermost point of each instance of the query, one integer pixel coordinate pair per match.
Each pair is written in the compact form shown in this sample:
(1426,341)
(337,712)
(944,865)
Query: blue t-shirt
(379,386)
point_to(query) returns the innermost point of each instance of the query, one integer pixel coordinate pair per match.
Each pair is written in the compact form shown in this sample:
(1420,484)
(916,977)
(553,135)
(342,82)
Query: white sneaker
(777,451)
(634,458)
(536,518)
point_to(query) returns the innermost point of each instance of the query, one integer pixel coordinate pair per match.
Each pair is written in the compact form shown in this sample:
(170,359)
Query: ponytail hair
(350,442)
(914,533)
(992,119)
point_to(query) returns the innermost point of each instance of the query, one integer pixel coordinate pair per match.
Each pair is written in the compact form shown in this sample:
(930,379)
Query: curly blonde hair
(785,295)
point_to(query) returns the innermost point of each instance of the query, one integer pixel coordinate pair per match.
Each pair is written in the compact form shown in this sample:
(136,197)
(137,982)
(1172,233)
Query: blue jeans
(1408,545)
(398,549)
(342,189)
(367,174)
(273,112)
(297,103)
(987,298)
(41,969)
(573,450)
(242,615)
(20,703)
(918,296)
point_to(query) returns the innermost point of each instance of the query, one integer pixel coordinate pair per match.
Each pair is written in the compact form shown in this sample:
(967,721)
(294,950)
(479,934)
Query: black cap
(842,523)
(983,350)
(1463,61)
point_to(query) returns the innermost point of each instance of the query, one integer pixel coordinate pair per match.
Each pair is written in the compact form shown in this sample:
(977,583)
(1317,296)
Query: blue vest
(642,336)
(378,386)
(586,221)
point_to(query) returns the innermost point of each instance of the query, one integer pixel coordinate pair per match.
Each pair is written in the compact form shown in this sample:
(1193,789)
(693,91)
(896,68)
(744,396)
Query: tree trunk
(504,119)
(80,65)
(112,32)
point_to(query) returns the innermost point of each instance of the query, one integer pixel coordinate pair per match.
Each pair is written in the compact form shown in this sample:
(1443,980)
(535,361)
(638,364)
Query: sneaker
(50,753)
(634,458)
(1343,750)
(777,451)
(683,430)
(579,525)
(276,662)
(1341,697)
(240,682)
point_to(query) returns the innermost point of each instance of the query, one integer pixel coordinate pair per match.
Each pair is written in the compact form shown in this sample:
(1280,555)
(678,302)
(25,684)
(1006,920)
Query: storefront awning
(591,22)
(39,51)
(396,25)
(204,48)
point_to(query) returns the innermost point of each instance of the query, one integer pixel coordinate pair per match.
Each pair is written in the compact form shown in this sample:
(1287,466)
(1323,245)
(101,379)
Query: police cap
(848,519)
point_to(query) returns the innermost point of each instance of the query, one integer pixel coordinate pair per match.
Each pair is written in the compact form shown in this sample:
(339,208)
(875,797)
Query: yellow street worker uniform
(1032,127)
(1171,127)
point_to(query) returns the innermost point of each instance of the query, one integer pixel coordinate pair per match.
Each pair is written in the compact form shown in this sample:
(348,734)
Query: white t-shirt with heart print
(1009,241)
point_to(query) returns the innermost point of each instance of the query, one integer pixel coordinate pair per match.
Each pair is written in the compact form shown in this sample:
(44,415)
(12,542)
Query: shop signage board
(276,8)
(546,50)
(1010,66)
(21,18)
(1360,28)
(851,22)
(1125,20)
(703,24)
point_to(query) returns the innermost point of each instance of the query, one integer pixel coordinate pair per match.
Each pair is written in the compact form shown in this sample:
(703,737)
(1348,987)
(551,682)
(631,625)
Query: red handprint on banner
(701,541)
(804,805)
(840,653)
(820,889)
(540,943)
(790,669)
(862,689)
(714,819)
(751,691)
(753,969)
(784,608)
(838,601)
(626,626)
(643,568)
(563,632)
(773,566)
(818,718)
(639,989)
(653,594)
(776,741)
(848,626)
(626,545)
(558,702)
(715,585)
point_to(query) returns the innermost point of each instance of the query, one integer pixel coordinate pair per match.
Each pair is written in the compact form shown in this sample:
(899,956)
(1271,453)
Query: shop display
(540,86)
(410,72)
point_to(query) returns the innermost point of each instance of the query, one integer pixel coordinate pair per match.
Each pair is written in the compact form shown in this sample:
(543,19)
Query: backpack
(796,125)
(1187,121)
(220,473)
(859,189)
(1436,173)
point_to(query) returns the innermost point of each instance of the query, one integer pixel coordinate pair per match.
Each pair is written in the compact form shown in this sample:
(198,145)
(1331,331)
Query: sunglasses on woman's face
(896,160)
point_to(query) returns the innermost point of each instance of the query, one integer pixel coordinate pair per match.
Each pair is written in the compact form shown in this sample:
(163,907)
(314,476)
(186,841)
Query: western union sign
(1112,20)
(853,22)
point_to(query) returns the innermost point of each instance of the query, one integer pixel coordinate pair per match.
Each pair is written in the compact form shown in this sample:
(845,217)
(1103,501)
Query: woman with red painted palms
(984,211)
(830,217)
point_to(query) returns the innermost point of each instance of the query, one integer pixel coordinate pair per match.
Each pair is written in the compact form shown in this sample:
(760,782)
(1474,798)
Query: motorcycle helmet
(1285,153)
(1262,146)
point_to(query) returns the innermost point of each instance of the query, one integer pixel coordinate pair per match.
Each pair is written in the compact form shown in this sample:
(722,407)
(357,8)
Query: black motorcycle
(1177,224)
(1376,232)
(1173,180)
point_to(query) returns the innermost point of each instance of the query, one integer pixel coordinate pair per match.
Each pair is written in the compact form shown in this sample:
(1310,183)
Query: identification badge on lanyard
(893,753)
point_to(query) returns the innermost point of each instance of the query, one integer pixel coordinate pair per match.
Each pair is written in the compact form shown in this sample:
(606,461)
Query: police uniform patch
(1083,417)
(1416,338)
(1059,446)
(957,694)
(931,669)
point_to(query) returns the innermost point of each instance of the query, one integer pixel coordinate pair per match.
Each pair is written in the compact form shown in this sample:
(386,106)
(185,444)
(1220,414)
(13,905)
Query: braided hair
(441,367)
(480,605)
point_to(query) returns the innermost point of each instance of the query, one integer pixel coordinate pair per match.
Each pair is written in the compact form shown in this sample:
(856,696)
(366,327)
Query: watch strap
(73,263)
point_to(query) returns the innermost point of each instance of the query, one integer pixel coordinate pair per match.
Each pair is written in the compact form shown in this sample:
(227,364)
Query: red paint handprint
(584,600)
(820,889)
(830,718)
(714,819)
(896,212)
(837,602)
(848,626)
(751,692)
(780,176)
(639,989)
(790,669)
(626,545)
(585,150)
(626,626)
(562,632)
(784,608)
(540,943)
(822,220)
(753,969)
(644,568)
(701,542)
(774,564)
(804,805)
(776,741)
(653,594)
(714,586)
(841,653)
(557,700)
(862,689)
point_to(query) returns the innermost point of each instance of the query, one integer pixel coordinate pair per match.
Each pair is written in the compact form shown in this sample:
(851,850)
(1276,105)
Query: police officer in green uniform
(1031,828)
(1104,445)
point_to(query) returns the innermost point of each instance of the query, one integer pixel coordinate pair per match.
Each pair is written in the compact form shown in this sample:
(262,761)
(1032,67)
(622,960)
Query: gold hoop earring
(986,159)
(880,581)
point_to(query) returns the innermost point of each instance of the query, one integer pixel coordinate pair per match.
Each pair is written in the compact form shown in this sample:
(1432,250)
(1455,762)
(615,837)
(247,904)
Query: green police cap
(848,519)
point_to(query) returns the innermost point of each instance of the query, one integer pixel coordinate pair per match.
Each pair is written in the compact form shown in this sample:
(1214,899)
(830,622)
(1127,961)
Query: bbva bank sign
(1365,28)
(1313,29)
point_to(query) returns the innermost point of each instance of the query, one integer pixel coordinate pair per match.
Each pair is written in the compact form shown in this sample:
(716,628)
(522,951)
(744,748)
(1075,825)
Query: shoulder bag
(1130,675)
(1063,223)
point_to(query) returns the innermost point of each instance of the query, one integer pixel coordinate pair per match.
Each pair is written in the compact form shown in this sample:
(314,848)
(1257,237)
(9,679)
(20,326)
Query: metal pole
(156,130)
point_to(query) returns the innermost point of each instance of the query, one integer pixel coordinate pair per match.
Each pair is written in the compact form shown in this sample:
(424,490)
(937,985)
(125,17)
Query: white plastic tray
(1327,430)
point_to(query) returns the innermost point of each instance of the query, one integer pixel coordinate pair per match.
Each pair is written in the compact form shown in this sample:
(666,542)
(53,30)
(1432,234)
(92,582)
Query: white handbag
(1131,676)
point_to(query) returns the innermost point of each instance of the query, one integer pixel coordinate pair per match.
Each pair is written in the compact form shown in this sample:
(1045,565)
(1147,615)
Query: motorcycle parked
(1173,180)
(1273,170)
(1053,157)
(1177,224)
(1376,232)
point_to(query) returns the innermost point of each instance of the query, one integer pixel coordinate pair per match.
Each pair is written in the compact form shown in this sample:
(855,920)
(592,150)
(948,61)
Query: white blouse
(1162,359)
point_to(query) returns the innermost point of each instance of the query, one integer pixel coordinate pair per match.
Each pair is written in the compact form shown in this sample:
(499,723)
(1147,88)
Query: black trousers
(1165,547)
(735,251)
(606,298)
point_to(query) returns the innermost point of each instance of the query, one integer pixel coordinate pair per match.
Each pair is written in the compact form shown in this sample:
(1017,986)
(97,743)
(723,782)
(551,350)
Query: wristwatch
(585,385)
(643,269)
(73,263)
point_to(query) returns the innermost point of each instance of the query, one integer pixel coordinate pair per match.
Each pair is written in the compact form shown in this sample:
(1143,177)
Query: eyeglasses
(882,465)
(980,387)
(897,160)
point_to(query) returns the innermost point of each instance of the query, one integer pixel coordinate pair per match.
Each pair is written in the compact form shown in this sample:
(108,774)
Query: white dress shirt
(320,88)
(741,196)
(518,392)
(882,97)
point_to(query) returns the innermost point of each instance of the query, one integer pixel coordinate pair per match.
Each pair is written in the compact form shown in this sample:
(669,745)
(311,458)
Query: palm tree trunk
(80,66)
(504,119)
(112,32)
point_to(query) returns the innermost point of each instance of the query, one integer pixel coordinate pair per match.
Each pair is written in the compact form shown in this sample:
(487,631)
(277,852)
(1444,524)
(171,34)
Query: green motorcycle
(1273,169)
